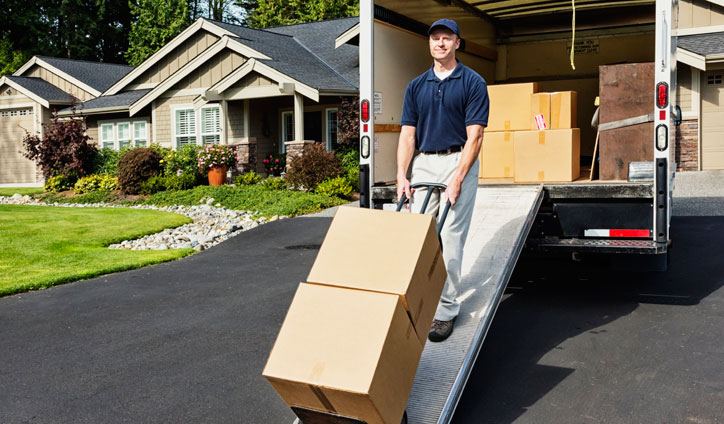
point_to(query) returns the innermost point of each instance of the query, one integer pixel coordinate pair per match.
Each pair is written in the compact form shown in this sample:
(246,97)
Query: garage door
(712,120)
(14,167)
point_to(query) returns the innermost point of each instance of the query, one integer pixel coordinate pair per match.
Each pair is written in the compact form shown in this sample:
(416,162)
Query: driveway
(181,342)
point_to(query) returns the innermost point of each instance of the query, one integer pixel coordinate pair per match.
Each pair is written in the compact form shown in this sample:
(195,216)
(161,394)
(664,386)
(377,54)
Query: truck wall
(548,62)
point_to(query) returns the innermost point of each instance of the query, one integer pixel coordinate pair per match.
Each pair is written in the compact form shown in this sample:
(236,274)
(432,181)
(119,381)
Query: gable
(50,77)
(254,79)
(212,71)
(177,58)
(7,91)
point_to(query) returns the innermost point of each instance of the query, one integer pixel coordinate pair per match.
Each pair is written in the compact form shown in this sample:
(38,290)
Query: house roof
(98,75)
(42,89)
(295,52)
(703,44)
(320,38)
(120,101)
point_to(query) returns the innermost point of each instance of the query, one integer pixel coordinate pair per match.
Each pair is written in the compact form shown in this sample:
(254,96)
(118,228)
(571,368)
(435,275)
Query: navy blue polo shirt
(440,110)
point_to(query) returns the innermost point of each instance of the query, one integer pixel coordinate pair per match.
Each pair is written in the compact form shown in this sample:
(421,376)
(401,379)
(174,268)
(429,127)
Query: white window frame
(118,134)
(284,114)
(14,113)
(4,114)
(113,134)
(200,127)
(174,134)
(328,132)
(23,112)
(145,131)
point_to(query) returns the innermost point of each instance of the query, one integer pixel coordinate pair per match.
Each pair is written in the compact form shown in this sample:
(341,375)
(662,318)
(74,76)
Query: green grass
(43,246)
(250,198)
(9,191)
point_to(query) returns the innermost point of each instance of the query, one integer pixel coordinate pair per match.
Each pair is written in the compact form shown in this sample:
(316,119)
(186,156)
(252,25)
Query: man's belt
(453,149)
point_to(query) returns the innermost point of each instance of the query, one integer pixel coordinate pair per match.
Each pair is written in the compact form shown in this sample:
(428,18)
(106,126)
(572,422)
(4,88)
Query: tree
(156,22)
(64,148)
(286,12)
(348,122)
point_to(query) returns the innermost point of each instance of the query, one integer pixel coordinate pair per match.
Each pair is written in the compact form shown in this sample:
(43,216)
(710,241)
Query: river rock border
(212,224)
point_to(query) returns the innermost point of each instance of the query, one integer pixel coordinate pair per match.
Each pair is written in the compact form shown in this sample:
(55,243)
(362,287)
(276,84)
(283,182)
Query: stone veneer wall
(246,152)
(687,145)
(296,149)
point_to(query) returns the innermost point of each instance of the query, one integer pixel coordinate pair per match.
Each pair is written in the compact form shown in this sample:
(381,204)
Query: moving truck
(553,46)
(525,41)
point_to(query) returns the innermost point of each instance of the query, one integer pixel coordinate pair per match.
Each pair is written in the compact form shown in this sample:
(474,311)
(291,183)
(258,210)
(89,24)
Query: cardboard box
(564,114)
(387,252)
(547,156)
(510,106)
(497,157)
(540,104)
(349,352)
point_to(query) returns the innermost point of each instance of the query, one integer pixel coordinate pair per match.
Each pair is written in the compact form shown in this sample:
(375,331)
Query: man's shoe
(440,330)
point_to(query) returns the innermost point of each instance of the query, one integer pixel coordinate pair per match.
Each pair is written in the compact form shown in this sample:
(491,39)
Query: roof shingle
(98,75)
(42,89)
(703,44)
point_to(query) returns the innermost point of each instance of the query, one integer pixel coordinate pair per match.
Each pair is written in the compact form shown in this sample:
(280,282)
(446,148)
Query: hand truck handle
(431,188)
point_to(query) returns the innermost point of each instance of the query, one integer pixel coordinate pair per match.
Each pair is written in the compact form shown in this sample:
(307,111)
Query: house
(28,97)
(263,91)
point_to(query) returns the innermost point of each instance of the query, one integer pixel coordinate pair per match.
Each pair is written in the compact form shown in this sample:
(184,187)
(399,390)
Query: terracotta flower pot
(217,175)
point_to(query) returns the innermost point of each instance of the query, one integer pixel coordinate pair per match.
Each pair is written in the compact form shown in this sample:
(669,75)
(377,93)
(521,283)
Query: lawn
(43,246)
(9,191)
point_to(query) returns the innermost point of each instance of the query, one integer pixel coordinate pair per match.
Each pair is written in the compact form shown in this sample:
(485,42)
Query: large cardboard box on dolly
(547,156)
(497,156)
(344,351)
(386,252)
(510,106)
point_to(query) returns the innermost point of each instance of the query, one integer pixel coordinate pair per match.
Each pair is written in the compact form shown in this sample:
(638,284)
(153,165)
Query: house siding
(683,88)
(253,80)
(699,13)
(235,112)
(212,71)
(177,58)
(50,77)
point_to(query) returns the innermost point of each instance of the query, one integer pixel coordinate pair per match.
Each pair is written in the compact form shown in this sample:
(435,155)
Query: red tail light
(365,106)
(662,95)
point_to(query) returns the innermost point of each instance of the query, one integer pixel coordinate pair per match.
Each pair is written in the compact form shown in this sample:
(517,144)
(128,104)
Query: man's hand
(403,186)
(453,190)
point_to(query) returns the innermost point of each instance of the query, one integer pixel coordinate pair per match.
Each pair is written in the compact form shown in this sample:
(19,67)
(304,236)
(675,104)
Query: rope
(573,38)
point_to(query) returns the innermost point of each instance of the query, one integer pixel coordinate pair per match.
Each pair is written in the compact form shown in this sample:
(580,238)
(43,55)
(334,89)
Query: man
(444,115)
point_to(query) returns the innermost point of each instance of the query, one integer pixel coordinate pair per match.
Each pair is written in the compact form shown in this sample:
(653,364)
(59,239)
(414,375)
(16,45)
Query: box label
(540,122)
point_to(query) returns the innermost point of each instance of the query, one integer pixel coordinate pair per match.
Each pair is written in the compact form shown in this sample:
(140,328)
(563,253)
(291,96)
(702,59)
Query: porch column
(246,119)
(298,117)
(225,123)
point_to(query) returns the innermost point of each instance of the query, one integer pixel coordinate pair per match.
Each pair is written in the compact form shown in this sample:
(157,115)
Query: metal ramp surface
(501,221)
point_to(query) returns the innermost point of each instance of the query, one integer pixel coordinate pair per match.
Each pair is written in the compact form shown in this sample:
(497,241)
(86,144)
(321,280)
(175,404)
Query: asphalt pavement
(186,341)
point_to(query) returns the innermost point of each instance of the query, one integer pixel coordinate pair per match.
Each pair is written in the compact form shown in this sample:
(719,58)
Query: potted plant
(215,160)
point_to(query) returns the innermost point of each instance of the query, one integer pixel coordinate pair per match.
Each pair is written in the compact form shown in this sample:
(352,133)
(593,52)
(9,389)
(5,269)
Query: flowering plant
(215,155)
(275,164)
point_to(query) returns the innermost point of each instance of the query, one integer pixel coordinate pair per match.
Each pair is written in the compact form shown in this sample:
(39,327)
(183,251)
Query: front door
(712,120)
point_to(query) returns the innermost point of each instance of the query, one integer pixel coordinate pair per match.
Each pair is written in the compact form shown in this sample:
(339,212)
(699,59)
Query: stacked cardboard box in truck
(503,155)
(354,334)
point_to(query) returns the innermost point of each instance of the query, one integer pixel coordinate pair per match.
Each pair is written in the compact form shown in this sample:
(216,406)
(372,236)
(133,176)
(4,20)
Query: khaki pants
(433,168)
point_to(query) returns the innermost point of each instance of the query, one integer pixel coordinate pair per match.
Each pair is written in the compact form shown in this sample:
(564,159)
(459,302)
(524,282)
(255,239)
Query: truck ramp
(501,221)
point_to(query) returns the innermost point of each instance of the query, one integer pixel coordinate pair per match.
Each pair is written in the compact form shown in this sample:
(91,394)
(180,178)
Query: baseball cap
(447,23)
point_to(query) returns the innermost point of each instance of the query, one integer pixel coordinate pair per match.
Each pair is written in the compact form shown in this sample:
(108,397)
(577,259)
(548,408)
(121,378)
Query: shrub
(106,161)
(180,182)
(153,185)
(58,183)
(96,182)
(313,167)
(350,162)
(348,122)
(249,178)
(274,183)
(184,160)
(338,186)
(64,148)
(215,155)
(137,166)
(275,164)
